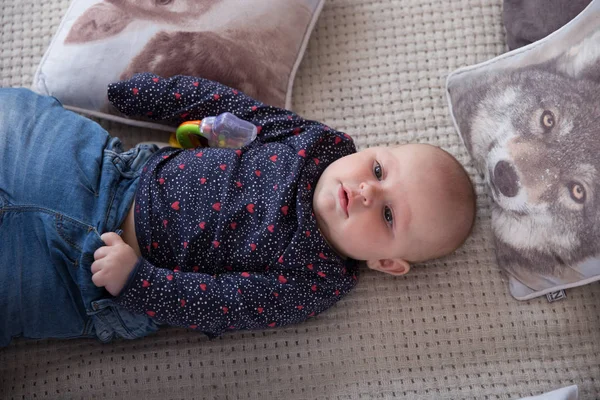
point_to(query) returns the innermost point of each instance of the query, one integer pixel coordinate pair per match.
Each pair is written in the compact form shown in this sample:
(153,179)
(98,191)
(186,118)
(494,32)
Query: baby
(211,239)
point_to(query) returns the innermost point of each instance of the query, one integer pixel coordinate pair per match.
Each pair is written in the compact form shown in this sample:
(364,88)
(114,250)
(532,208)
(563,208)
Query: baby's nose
(367,193)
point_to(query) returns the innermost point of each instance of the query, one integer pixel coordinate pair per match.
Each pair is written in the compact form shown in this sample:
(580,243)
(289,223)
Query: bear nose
(506,179)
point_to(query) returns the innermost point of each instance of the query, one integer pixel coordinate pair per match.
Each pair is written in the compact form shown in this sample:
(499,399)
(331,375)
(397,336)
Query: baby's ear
(395,266)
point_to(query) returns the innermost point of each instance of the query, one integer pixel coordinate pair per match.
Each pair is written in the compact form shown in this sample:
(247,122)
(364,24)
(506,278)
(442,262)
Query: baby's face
(382,203)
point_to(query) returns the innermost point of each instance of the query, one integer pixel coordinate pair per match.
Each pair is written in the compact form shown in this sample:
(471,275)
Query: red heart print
(161,180)
(307,233)
(323,256)
(216,97)
(165,222)
(202,225)
(272,324)
(282,279)
(238,184)
(297,131)
(312,314)
(310,267)
(203,287)
(175,205)
(155,79)
(135,91)
(223,166)
(313,288)
(284,210)
(169,277)
(321,274)
(254,108)
(250,208)
(196,268)
(260,310)
(275,294)
(199,154)
(185,114)
(176,269)
(302,153)
(177,96)
(245,274)
(193,326)
(202,181)
(145,283)
(235,91)
(181,166)
(233,225)
(225,309)
(151,313)
(196,83)
(182,302)
(271,228)
(299,307)
(238,152)
(280,260)
(273,157)
(337,140)
(337,292)
(258,129)
(257,172)
(217,206)
(154,244)
(316,160)
(275,186)
(185,245)
(252,246)
(216,243)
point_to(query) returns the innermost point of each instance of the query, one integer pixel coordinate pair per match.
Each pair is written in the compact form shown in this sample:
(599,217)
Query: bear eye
(547,120)
(577,192)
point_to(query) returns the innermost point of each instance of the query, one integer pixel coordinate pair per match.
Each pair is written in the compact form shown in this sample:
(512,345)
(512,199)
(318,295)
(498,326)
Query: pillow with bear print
(254,46)
(530,119)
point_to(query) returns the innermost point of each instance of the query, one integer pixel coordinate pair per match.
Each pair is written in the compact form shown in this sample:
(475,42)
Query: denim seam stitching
(53,213)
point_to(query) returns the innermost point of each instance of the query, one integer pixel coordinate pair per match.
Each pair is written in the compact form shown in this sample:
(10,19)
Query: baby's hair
(462,196)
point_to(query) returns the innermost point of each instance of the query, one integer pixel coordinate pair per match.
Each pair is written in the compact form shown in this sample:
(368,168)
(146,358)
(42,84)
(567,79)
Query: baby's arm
(238,300)
(179,98)
(183,98)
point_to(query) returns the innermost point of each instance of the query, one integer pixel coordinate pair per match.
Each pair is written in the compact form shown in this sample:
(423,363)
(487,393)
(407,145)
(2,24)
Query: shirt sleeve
(214,304)
(185,98)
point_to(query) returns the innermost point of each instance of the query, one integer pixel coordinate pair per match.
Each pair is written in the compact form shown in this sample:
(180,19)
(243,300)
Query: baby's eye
(377,170)
(387,215)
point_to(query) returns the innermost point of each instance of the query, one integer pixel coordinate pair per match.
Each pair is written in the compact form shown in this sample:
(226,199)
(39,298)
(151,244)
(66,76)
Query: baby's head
(392,206)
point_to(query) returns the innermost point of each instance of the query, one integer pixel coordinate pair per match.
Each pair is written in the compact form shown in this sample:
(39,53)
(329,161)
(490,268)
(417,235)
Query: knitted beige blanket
(448,330)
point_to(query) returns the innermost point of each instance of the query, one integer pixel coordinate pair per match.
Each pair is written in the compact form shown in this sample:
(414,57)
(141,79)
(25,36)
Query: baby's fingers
(99,278)
(101,252)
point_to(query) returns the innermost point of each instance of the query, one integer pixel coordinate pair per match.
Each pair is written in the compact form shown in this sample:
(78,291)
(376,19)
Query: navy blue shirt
(228,237)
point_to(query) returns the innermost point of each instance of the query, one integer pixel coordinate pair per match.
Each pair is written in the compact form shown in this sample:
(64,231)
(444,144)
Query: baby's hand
(113,263)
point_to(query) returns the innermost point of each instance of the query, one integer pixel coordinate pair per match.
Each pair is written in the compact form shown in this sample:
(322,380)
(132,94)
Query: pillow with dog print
(528,119)
(253,46)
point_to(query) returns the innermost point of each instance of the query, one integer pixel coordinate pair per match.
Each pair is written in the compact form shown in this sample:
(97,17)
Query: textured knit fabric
(228,237)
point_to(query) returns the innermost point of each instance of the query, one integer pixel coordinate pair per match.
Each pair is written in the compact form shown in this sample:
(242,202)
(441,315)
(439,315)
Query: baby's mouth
(343,196)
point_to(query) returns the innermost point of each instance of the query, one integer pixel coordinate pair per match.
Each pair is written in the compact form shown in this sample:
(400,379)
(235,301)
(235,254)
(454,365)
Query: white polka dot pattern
(228,237)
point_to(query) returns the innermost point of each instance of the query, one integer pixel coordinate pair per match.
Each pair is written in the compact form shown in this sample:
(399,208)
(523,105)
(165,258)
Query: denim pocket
(39,291)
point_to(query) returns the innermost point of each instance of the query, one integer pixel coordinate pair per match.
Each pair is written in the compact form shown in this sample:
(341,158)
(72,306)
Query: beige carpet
(448,330)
